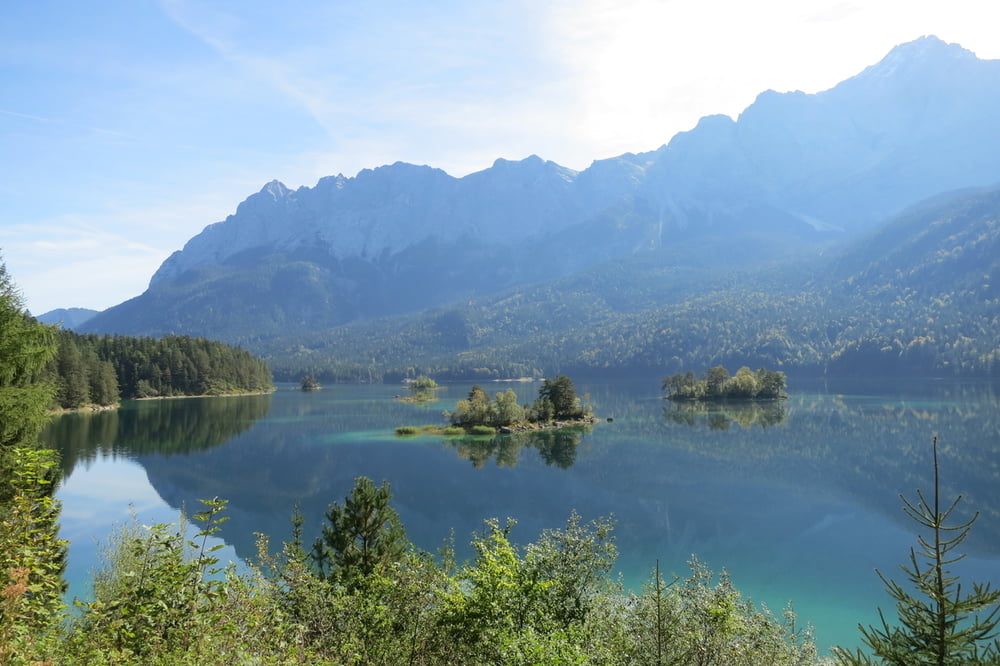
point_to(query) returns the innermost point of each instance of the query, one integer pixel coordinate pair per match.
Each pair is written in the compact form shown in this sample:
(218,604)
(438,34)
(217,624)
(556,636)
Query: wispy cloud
(126,137)
(450,86)
(64,123)
(97,261)
(217,30)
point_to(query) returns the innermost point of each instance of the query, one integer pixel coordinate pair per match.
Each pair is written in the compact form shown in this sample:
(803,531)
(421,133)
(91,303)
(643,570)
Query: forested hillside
(101,370)
(918,297)
(792,171)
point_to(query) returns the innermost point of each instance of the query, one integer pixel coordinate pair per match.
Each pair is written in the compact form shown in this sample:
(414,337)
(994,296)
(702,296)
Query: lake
(797,501)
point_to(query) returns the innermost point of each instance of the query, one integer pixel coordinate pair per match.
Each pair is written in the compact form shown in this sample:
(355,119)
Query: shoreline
(517,428)
(58,411)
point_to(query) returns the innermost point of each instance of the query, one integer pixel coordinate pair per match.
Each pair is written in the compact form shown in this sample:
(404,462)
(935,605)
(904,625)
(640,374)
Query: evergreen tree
(104,369)
(364,536)
(938,624)
(32,557)
(74,384)
(25,348)
(104,384)
(561,394)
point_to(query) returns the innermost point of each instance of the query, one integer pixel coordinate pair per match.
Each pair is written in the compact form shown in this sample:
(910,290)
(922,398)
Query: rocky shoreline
(551,425)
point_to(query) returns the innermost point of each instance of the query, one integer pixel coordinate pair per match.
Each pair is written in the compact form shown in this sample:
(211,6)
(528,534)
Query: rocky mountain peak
(276,189)
(791,166)
(927,59)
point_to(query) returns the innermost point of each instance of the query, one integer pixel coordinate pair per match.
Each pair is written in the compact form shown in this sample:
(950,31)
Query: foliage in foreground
(939,623)
(161,599)
(32,557)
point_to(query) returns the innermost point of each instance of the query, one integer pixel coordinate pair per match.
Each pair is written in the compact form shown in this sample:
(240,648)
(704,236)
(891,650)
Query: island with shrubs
(557,406)
(716,384)
(422,389)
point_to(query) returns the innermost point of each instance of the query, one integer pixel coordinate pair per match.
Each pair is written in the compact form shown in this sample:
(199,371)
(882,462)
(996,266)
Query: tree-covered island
(716,384)
(557,405)
(422,389)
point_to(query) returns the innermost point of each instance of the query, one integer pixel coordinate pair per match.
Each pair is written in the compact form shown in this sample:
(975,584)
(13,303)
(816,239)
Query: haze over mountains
(299,275)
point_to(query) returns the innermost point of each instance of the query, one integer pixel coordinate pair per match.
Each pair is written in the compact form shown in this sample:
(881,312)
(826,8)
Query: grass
(449,431)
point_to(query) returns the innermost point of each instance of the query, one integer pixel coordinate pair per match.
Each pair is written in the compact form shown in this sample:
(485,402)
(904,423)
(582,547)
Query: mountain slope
(917,297)
(69,318)
(792,171)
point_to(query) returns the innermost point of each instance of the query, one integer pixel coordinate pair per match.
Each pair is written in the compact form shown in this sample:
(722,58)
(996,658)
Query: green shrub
(155,589)
(705,620)
(482,430)
(407,430)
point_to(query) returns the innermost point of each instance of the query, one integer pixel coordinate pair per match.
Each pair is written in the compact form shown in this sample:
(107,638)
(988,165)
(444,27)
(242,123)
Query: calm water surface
(798,502)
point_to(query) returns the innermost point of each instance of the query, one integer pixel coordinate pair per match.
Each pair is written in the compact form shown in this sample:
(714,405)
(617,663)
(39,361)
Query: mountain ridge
(929,307)
(793,172)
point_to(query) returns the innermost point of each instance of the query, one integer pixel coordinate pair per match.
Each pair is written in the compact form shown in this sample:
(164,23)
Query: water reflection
(162,427)
(272,451)
(720,415)
(870,447)
(772,495)
(556,447)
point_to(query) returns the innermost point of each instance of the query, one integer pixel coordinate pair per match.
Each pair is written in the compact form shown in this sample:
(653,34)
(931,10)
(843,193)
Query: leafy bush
(162,599)
(156,591)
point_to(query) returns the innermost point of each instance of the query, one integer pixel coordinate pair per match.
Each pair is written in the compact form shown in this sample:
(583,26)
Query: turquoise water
(798,503)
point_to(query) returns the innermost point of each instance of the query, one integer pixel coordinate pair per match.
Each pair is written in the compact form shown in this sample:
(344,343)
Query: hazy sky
(127,126)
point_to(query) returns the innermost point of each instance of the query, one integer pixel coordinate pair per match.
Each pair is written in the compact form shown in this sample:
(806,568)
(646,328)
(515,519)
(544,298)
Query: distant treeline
(919,298)
(101,370)
(875,327)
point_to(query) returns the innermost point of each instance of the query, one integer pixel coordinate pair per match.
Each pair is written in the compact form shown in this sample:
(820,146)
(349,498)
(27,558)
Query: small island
(716,384)
(422,389)
(309,383)
(557,406)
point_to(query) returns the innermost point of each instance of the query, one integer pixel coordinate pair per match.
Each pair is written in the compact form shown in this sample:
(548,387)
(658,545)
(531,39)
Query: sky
(127,126)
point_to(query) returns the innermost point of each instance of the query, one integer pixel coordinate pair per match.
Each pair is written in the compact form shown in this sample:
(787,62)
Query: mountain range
(774,235)
(70,318)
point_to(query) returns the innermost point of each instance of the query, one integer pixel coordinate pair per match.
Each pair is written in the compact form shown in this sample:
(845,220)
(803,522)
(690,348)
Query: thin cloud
(56,121)
(227,96)
(213,28)
(406,84)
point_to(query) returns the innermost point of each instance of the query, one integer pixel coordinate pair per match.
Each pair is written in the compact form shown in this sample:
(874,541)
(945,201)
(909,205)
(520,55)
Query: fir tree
(364,536)
(938,623)
(32,557)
